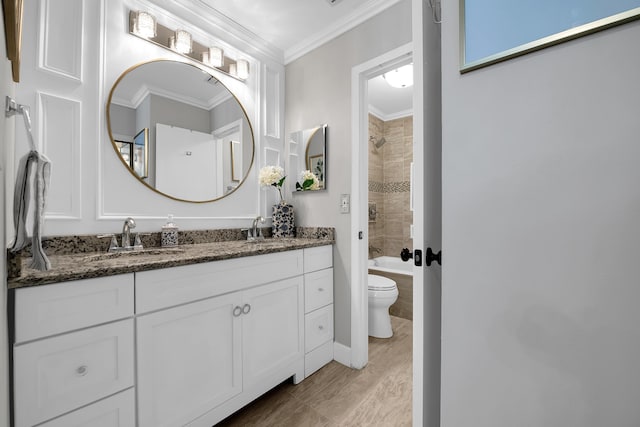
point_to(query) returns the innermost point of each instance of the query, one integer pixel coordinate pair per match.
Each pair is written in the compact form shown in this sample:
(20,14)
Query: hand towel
(25,180)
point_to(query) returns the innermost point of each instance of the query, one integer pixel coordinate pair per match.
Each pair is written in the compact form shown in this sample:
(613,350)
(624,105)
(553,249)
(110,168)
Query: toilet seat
(380,283)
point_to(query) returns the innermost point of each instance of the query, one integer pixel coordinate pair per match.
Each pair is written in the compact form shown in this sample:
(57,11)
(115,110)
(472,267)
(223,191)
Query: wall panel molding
(61,38)
(272,102)
(59,132)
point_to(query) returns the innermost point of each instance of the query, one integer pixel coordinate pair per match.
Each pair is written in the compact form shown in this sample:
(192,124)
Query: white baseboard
(342,354)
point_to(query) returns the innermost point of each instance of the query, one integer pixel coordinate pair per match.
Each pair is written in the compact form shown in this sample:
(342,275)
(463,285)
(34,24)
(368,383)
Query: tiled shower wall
(389,180)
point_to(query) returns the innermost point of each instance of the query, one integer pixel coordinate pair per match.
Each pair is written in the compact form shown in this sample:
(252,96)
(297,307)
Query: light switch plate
(345,203)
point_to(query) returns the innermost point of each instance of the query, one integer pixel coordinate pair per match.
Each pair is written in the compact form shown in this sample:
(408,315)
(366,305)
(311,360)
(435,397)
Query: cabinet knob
(320,289)
(237,311)
(81,371)
(246,309)
(321,327)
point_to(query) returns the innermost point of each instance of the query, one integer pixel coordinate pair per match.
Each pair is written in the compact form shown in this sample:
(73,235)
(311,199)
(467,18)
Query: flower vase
(282,223)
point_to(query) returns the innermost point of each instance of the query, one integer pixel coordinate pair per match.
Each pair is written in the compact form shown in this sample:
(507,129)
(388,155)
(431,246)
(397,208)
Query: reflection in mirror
(180,131)
(307,150)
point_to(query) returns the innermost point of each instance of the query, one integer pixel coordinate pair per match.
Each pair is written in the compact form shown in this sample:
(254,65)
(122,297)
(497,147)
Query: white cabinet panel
(318,289)
(171,286)
(273,328)
(318,258)
(47,310)
(318,357)
(59,374)
(318,327)
(114,411)
(189,360)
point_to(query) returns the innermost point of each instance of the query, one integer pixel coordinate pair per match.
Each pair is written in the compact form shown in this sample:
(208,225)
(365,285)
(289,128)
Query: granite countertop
(76,266)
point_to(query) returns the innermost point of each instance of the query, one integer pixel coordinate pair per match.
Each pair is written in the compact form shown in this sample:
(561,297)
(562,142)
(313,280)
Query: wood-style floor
(378,395)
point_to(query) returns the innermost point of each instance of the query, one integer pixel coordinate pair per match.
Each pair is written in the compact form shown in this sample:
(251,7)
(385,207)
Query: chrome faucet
(129,223)
(255,233)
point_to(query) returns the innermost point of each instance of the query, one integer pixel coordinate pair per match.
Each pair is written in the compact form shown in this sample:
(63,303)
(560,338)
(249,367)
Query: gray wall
(541,235)
(318,90)
(123,120)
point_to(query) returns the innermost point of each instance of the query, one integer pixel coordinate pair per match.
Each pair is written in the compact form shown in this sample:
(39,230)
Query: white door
(183,375)
(187,163)
(427,213)
(272,327)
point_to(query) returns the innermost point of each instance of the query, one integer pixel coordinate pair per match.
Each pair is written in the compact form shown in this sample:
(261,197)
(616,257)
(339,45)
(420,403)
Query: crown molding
(388,117)
(341,26)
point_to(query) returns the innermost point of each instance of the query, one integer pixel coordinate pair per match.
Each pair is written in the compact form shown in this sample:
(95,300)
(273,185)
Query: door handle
(431,256)
(406,255)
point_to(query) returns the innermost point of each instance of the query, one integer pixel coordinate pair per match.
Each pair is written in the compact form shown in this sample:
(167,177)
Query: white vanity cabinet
(318,294)
(201,360)
(73,346)
(197,343)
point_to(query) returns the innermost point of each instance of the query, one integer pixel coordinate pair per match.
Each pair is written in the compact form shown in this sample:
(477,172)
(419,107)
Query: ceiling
(298,26)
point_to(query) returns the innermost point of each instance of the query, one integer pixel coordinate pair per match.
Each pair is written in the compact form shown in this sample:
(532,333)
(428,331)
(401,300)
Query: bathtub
(402,273)
(389,264)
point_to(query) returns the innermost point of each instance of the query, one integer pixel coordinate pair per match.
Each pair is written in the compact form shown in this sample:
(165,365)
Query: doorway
(361,75)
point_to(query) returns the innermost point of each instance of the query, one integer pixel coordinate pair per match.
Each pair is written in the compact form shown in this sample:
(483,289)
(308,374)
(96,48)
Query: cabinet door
(189,360)
(114,411)
(273,328)
(59,374)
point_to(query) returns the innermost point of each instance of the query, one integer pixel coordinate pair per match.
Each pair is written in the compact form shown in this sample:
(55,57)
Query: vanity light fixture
(213,57)
(242,69)
(400,77)
(181,41)
(144,24)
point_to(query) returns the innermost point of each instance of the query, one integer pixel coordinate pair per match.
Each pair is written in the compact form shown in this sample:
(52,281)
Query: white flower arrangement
(309,181)
(272,176)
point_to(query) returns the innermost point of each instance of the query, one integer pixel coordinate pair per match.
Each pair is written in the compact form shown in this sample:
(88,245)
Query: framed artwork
(126,152)
(13,34)
(493,31)
(141,153)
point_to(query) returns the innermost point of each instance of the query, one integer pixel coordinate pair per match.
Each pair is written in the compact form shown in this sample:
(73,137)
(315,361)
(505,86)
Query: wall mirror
(496,30)
(180,131)
(307,150)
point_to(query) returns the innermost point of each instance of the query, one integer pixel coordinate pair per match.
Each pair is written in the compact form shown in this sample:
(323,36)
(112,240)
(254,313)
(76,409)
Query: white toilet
(382,293)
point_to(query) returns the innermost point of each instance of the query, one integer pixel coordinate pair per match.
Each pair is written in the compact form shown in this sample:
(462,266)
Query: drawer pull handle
(246,309)
(237,311)
(81,371)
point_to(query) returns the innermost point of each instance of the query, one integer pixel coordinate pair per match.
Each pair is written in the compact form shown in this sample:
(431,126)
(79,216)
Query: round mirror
(180,131)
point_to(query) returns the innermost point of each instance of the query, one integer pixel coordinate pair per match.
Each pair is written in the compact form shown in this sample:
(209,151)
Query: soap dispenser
(169,233)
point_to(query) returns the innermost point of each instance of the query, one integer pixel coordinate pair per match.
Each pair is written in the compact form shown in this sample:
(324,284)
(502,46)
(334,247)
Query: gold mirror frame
(534,45)
(13,10)
(134,174)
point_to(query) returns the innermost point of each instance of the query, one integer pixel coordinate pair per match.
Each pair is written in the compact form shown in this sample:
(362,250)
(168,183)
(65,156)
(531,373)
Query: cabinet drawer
(168,287)
(318,289)
(47,310)
(318,327)
(317,358)
(318,258)
(59,374)
(115,411)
